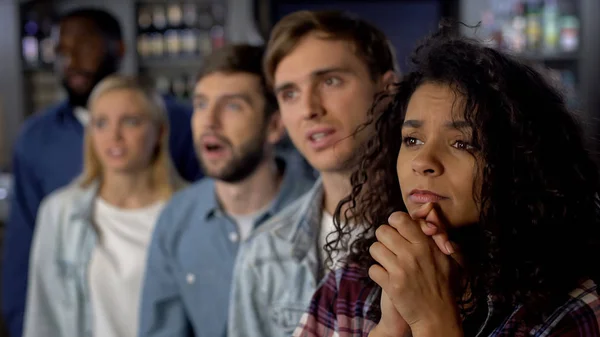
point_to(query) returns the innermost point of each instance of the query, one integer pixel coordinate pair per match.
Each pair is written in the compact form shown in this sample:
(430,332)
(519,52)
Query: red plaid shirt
(339,309)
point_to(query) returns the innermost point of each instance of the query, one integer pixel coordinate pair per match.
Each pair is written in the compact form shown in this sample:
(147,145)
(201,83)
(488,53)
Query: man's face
(83,58)
(229,125)
(325,91)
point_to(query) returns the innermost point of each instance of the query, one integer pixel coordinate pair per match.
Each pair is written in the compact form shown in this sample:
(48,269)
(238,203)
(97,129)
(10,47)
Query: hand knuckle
(398,280)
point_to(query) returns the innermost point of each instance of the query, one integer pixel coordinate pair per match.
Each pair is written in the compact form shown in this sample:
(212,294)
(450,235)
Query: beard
(109,66)
(243,162)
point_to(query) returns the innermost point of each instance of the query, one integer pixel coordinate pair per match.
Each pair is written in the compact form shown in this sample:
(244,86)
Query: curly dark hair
(538,227)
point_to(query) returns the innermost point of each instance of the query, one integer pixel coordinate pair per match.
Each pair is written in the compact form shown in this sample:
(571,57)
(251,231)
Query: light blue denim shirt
(277,271)
(191,258)
(58,298)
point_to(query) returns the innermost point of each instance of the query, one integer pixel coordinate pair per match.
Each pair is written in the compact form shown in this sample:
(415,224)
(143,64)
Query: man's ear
(275,128)
(389,78)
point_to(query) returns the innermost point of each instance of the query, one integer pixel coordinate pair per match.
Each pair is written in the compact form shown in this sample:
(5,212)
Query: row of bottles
(176,30)
(534,26)
(38,39)
(180,86)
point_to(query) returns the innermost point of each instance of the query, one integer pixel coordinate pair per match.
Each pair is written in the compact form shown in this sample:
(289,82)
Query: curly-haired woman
(478,146)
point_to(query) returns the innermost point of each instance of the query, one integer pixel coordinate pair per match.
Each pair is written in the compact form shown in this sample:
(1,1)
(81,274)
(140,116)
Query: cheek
(240,129)
(143,140)
(196,123)
(403,168)
(292,122)
(98,139)
(463,184)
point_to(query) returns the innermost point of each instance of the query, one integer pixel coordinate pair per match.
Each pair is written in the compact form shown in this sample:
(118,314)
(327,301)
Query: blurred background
(167,40)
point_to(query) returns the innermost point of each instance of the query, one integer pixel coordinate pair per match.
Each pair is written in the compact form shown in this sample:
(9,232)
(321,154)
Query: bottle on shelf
(159,22)
(217,37)
(179,30)
(144,39)
(534,25)
(29,43)
(49,32)
(551,25)
(569,26)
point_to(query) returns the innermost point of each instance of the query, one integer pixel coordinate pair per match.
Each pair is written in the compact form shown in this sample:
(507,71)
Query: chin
(122,168)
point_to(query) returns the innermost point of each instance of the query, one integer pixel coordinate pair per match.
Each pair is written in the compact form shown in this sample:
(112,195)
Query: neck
(251,194)
(336,186)
(130,190)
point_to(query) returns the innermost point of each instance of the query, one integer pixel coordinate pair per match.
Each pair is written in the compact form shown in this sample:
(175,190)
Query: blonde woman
(91,237)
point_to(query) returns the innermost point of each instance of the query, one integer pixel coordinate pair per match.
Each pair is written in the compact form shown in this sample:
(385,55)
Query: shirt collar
(211,204)
(84,201)
(287,191)
(304,234)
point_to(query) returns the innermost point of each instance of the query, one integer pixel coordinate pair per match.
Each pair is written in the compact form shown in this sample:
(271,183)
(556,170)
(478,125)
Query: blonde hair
(164,175)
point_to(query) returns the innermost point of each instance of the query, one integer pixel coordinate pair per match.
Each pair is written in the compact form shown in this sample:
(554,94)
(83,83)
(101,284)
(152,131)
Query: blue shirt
(277,271)
(48,155)
(191,257)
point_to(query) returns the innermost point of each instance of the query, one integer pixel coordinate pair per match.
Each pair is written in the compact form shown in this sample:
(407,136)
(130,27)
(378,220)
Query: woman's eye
(99,123)
(132,121)
(411,141)
(461,145)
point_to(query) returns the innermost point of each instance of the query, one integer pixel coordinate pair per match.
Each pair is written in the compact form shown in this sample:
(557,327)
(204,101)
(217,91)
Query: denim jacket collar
(84,203)
(306,230)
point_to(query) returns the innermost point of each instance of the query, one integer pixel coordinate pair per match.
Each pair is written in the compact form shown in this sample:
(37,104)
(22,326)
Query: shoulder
(197,190)
(62,197)
(578,316)
(35,127)
(183,207)
(58,211)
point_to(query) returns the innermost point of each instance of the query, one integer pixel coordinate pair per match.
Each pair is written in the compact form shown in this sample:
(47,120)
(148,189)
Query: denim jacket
(277,271)
(58,301)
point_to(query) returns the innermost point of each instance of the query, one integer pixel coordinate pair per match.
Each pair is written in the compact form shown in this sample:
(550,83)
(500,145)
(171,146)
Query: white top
(245,223)
(117,266)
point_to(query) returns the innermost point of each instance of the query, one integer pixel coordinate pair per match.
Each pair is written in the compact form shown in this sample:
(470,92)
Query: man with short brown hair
(196,239)
(325,69)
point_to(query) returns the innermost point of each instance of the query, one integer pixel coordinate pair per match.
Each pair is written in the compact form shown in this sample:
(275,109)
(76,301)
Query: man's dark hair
(105,22)
(240,58)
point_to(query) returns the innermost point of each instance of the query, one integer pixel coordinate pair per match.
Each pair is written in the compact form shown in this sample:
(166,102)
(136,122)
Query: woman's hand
(391,323)
(416,274)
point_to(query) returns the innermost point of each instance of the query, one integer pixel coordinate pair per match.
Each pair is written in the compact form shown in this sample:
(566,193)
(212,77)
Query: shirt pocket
(286,316)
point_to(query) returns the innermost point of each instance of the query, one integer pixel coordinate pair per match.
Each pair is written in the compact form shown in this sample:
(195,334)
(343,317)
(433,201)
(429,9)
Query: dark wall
(404,22)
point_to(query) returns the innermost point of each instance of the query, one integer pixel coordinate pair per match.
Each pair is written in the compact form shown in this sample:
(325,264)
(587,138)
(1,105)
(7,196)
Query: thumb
(422,212)
(441,237)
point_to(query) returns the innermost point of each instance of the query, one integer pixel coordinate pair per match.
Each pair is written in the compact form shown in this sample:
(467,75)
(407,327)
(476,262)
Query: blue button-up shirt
(190,263)
(48,155)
